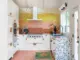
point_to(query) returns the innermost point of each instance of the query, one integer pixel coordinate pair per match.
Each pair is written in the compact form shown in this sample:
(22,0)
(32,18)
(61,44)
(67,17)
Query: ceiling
(39,3)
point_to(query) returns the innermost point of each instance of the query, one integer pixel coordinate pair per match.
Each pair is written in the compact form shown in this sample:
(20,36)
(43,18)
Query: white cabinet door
(53,46)
(30,43)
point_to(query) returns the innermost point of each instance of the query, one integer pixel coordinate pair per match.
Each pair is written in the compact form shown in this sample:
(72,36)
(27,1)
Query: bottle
(14,28)
(55,29)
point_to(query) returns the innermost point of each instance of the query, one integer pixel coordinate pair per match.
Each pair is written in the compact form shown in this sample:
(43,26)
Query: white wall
(71,5)
(79,34)
(14,9)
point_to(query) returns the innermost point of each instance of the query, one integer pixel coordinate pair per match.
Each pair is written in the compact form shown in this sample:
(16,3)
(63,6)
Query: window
(65,22)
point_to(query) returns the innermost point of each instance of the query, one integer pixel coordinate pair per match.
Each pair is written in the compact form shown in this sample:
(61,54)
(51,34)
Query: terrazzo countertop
(61,47)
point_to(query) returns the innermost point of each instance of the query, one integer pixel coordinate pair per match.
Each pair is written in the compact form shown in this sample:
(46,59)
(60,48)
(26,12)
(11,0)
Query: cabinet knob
(72,35)
(77,41)
(78,37)
(50,40)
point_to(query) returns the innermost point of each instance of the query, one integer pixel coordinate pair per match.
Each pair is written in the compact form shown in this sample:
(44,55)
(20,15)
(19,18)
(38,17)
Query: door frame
(77,8)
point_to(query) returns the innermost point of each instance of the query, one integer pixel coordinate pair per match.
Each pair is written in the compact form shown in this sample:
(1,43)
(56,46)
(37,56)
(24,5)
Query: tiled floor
(27,55)
(24,55)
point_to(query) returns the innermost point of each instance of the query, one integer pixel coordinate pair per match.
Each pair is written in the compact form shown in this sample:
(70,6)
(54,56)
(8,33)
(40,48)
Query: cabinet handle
(50,40)
(72,35)
(36,43)
(78,37)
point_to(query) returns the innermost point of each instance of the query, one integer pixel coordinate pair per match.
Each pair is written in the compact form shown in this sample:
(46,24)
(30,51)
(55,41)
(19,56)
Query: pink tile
(24,55)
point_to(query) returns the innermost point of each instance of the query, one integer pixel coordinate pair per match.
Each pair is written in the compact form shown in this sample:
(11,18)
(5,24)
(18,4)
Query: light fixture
(63,7)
